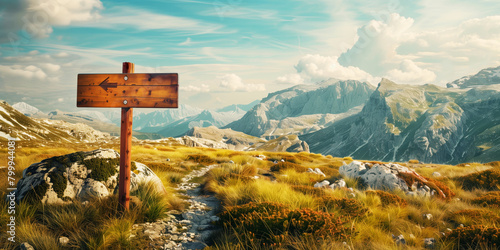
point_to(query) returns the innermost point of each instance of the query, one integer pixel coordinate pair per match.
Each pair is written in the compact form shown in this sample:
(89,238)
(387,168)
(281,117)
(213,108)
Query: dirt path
(194,226)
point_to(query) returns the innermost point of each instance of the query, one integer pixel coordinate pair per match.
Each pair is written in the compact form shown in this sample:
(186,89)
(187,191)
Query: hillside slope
(304,108)
(428,123)
(26,129)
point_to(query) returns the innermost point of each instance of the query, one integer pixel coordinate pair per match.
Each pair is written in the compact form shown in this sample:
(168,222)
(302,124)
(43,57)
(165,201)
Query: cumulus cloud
(192,88)
(316,68)
(37,17)
(234,83)
(409,73)
(393,48)
(375,49)
(25,72)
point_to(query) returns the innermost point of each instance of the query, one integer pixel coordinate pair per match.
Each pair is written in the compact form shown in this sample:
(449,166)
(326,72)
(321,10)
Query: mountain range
(304,108)
(389,122)
(392,122)
(15,124)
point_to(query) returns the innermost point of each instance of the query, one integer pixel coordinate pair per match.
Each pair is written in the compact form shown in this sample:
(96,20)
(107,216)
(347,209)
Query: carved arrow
(105,84)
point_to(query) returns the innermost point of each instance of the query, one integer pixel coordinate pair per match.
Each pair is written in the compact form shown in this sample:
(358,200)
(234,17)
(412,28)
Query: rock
(436,174)
(324,183)
(80,175)
(316,171)
(63,240)
(338,184)
(386,176)
(231,161)
(399,239)
(26,246)
(353,170)
(429,242)
(412,236)
(427,216)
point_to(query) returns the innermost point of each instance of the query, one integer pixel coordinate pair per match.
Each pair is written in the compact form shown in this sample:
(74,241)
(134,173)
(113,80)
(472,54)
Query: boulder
(316,171)
(338,184)
(80,176)
(390,176)
(322,184)
(378,176)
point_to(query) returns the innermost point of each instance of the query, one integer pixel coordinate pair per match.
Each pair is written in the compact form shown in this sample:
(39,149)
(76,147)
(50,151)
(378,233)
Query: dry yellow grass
(233,183)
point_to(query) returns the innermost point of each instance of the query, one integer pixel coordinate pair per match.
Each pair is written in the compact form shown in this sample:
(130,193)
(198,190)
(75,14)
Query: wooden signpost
(127,91)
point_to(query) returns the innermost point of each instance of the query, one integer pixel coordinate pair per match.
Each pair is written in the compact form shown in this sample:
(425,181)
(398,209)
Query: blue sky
(236,51)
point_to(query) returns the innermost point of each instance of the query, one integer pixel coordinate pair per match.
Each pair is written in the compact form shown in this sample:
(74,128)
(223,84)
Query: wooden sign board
(127,90)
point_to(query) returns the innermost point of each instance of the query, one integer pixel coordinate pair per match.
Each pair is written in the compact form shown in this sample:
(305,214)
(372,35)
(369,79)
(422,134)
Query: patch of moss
(35,194)
(102,168)
(59,183)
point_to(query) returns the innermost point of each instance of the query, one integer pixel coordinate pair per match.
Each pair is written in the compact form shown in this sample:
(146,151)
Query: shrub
(491,199)
(473,216)
(413,161)
(249,170)
(475,237)
(199,158)
(494,164)
(270,224)
(387,198)
(443,190)
(278,157)
(347,206)
(488,179)
(287,165)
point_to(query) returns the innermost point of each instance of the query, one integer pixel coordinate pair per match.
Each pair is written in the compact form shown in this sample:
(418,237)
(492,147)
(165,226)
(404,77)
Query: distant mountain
(16,124)
(204,119)
(96,120)
(158,119)
(428,123)
(484,77)
(234,107)
(28,110)
(304,108)
(84,117)
(213,137)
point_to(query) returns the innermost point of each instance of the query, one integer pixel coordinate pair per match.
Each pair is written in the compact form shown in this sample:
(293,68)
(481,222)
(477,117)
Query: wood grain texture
(128,90)
(125,149)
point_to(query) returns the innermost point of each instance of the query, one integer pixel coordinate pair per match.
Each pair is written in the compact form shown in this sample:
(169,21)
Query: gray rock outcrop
(79,176)
(388,176)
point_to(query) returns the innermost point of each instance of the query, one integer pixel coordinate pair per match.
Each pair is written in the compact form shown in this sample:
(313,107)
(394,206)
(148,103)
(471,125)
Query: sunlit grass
(98,225)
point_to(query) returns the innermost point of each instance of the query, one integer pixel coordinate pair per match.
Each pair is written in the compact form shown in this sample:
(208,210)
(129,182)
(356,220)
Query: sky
(237,51)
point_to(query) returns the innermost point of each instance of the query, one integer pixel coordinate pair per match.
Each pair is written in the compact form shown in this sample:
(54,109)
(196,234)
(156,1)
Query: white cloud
(60,99)
(375,49)
(128,17)
(187,42)
(316,68)
(25,72)
(395,49)
(293,79)
(50,67)
(234,83)
(410,73)
(37,17)
(192,88)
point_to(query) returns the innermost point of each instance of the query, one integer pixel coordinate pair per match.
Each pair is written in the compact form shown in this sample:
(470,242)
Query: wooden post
(125,148)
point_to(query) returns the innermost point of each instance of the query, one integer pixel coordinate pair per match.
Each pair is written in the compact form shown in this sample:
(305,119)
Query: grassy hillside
(272,195)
